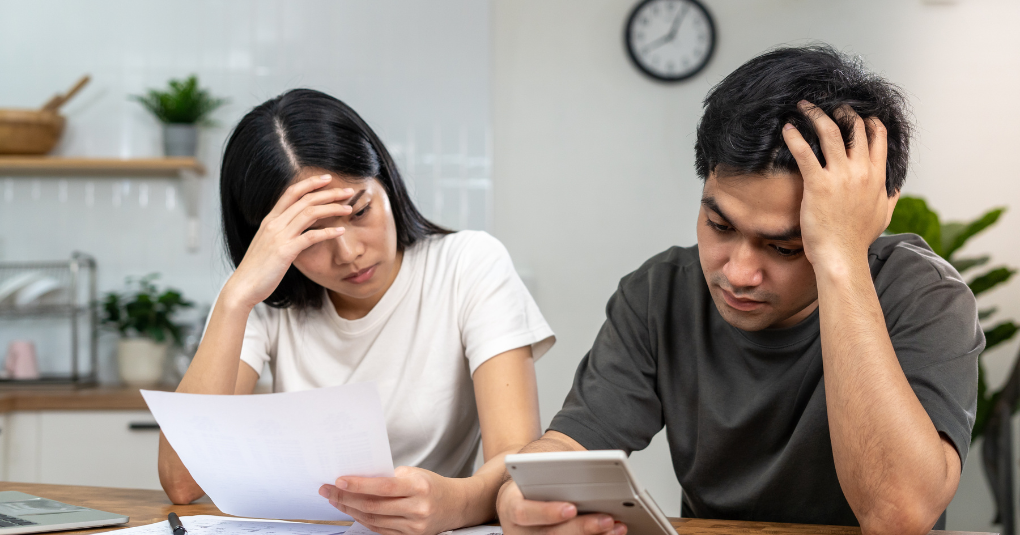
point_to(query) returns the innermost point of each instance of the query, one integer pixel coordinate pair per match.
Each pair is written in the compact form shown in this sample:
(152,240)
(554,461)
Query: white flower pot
(141,361)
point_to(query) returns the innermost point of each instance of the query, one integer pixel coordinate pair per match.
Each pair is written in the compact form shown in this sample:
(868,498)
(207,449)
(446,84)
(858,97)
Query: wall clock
(670,40)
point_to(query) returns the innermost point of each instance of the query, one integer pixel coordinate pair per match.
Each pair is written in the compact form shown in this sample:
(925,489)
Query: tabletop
(149,506)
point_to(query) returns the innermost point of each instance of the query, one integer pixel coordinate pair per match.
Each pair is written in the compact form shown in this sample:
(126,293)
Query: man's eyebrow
(355,198)
(789,234)
(709,202)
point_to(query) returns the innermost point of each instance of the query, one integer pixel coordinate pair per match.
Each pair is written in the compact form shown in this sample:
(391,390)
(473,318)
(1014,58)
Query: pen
(175,524)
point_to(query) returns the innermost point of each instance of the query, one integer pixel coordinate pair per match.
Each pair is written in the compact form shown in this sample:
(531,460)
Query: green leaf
(984,404)
(963,264)
(913,215)
(966,232)
(993,278)
(183,103)
(999,334)
(986,313)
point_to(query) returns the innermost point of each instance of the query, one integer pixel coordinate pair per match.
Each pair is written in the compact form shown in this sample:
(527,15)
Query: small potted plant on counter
(143,317)
(181,108)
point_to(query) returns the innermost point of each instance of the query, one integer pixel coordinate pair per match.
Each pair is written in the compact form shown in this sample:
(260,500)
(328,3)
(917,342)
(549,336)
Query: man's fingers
(534,513)
(878,143)
(829,137)
(376,486)
(589,525)
(859,150)
(801,151)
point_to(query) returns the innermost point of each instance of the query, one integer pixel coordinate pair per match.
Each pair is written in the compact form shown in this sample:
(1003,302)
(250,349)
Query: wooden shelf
(98,167)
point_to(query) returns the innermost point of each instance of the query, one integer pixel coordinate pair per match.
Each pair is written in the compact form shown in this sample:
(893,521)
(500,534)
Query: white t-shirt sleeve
(258,344)
(496,311)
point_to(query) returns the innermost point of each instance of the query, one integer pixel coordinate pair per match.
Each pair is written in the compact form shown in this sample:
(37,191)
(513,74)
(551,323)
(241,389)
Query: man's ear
(892,207)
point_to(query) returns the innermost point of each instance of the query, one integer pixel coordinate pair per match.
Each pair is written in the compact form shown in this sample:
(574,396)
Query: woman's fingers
(308,216)
(328,196)
(378,486)
(312,237)
(297,190)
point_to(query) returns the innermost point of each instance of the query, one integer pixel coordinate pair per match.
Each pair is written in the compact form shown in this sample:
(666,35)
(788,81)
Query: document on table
(359,529)
(221,525)
(266,455)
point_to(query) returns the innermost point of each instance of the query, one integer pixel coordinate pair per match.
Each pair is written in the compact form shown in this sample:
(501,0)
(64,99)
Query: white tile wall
(418,72)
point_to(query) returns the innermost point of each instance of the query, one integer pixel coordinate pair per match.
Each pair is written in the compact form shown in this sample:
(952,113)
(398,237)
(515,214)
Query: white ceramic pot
(141,361)
(180,139)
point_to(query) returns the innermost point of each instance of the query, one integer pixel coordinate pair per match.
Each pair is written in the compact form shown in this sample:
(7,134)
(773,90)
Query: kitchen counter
(69,398)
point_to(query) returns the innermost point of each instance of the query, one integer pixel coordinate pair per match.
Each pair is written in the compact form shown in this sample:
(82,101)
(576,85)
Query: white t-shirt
(455,303)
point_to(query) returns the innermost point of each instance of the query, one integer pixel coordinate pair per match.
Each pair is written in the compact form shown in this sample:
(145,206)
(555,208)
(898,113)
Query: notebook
(24,513)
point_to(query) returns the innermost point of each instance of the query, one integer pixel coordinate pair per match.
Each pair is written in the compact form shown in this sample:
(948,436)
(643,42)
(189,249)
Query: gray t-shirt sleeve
(937,340)
(614,401)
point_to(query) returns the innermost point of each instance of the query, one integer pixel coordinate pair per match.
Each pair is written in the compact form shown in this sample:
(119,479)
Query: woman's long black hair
(269,147)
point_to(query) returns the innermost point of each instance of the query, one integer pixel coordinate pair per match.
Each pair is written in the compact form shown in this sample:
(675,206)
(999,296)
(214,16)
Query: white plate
(36,291)
(12,285)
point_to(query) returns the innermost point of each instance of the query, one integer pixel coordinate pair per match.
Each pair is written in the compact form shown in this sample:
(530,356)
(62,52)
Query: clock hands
(677,21)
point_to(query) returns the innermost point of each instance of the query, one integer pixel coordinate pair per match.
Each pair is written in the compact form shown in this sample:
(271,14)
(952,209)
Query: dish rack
(62,290)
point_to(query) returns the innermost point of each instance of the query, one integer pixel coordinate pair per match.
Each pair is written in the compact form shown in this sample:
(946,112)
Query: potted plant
(994,408)
(181,108)
(142,316)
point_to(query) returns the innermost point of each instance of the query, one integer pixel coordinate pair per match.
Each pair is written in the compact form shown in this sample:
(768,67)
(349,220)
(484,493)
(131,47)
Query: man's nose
(743,269)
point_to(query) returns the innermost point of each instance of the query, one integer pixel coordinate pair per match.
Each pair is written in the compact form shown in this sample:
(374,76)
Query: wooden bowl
(29,131)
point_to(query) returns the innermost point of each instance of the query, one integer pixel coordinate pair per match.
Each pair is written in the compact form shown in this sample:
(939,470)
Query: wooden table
(149,506)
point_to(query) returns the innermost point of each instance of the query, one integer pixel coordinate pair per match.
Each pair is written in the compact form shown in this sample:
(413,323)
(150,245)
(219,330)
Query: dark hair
(269,147)
(741,129)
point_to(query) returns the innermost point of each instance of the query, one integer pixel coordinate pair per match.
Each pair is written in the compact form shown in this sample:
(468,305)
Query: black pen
(175,524)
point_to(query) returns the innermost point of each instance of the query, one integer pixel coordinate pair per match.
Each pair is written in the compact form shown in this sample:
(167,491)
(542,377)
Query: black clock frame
(657,77)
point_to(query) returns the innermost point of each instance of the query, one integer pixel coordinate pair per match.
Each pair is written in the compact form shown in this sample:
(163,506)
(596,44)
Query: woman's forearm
(213,370)
(479,491)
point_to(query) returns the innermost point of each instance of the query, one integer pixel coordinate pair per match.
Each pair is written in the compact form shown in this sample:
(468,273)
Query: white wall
(593,163)
(418,73)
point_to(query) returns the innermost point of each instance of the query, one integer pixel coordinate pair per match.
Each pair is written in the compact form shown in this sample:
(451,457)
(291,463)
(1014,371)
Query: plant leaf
(966,232)
(999,334)
(913,215)
(984,404)
(963,264)
(986,313)
(993,278)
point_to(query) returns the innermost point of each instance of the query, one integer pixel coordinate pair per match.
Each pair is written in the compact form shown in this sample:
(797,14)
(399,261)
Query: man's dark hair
(741,129)
(269,147)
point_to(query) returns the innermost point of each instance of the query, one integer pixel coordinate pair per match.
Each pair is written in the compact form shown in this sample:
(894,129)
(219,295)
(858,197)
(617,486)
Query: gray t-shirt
(745,411)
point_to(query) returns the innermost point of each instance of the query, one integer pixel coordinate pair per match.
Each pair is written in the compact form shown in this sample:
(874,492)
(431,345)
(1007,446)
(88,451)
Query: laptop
(24,513)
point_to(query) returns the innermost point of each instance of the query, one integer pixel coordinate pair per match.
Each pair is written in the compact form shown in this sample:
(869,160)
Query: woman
(340,279)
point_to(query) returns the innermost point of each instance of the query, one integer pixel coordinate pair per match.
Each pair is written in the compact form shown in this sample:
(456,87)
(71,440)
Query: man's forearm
(550,441)
(892,463)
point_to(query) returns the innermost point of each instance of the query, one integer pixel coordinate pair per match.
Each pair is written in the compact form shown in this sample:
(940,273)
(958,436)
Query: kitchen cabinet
(49,442)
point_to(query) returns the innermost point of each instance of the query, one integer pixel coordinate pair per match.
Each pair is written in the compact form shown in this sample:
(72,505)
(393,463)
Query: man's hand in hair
(845,206)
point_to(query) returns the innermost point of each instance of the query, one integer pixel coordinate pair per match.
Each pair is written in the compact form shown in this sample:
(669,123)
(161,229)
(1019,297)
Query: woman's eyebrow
(355,198)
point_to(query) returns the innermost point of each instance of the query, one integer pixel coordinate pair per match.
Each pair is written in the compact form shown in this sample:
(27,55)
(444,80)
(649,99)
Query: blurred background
(524,118)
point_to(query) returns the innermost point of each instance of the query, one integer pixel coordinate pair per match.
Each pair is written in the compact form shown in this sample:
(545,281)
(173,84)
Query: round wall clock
(670,40)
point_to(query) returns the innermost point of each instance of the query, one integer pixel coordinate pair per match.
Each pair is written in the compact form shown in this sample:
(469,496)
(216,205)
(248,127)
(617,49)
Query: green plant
(945,239)
(183,103)
(144,311)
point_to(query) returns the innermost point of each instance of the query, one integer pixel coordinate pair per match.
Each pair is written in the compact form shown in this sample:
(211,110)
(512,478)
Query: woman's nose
(347,248)
(743,269)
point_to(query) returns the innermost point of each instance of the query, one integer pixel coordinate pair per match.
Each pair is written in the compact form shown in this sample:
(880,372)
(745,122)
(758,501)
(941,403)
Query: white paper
(267,455)
(220,525)
(359,529)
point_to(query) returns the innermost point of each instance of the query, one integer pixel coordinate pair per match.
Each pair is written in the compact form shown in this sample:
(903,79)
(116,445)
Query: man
(806,369)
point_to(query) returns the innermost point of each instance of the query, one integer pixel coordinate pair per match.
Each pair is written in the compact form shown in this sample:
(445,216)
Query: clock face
(670,40)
